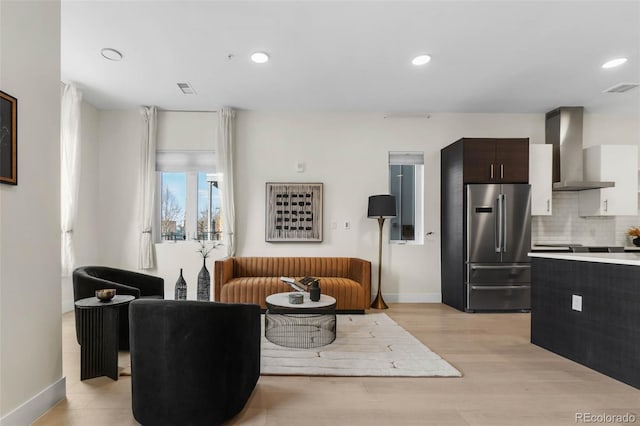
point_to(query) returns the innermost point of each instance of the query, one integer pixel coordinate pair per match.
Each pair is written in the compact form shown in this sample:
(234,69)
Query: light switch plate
(576,303)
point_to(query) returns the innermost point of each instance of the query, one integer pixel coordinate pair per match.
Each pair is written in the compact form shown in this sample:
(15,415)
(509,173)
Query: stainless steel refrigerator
(497,237)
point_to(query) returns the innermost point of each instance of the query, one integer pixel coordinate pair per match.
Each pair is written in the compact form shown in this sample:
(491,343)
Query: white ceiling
(488,56)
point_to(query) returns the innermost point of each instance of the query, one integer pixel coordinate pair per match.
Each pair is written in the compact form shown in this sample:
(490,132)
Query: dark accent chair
(192,363)
(88,279)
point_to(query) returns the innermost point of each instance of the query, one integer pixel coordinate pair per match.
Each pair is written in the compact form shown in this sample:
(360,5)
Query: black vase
(636,241)
(204,282)
(181,288)
(314,291)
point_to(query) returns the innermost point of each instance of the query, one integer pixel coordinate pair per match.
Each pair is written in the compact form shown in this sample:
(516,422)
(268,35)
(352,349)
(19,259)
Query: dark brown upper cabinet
(495,160)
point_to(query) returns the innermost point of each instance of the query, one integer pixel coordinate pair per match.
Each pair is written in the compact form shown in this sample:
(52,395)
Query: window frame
(191,163)
(418,194)
(210,179)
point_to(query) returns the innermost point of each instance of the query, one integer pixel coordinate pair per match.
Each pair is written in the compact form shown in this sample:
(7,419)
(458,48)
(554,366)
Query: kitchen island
(586,307)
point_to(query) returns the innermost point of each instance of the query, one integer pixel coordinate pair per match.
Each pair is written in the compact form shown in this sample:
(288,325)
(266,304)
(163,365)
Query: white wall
(610,129)
(349,154)
(179,130)
(30,324)
(119,134)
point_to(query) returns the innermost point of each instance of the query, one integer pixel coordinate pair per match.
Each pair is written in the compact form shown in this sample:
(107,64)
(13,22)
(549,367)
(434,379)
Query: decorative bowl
(296,298)
(105,294)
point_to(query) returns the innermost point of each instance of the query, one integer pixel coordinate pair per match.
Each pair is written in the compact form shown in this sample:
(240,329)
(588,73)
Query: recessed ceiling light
(111,54)
(259,57)
(421,60)
(614,63)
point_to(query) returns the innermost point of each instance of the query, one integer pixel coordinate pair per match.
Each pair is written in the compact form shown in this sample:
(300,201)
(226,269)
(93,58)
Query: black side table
(99,336)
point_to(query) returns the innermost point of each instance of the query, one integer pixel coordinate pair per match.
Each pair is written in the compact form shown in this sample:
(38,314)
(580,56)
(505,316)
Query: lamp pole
(378,302)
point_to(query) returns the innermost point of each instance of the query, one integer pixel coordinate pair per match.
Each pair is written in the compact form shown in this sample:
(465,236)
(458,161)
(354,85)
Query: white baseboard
(67,306)
(412,297)
(28,412)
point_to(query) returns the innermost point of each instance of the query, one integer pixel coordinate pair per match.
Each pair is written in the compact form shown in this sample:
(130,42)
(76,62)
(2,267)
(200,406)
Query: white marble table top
(282,300)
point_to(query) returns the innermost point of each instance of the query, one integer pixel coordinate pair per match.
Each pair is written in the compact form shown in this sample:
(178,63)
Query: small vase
(636,241)
(314,292)
(204,282)
(181,288)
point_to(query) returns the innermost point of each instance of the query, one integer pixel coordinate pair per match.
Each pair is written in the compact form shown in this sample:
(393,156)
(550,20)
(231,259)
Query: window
(406,177)
(172,206)
(209,224)
(188,202)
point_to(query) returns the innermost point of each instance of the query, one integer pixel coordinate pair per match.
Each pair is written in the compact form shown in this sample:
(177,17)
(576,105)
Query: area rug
(365,345)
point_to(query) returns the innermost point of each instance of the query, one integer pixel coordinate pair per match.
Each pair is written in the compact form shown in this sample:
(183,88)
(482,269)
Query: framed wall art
(293,212)
(8,139)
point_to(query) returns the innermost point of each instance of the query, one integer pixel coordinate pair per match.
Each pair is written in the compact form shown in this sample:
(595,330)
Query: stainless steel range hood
(563,130)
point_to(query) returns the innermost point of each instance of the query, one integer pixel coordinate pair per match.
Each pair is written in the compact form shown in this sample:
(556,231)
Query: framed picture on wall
(8,139)
(293,212)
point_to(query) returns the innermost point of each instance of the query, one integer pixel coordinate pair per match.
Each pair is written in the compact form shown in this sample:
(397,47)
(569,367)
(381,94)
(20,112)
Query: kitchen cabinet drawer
(482,273)
(499,297)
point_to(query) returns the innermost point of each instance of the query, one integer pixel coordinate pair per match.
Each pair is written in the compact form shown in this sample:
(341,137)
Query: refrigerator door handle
(504,223)
(498,228)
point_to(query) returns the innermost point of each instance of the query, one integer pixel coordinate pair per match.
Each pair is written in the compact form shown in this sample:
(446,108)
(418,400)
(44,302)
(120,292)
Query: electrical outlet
(576,303)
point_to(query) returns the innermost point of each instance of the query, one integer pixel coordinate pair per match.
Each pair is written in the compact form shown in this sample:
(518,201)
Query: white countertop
(550,248)
(565,248)
(617,258)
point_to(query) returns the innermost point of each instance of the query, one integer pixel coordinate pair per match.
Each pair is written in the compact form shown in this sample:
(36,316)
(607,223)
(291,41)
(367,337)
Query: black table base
(99,333)
(297,328)
(99,349)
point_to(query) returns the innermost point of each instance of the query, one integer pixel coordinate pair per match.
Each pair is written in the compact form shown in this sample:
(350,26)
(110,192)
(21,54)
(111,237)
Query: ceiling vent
(621,87)
(186,88)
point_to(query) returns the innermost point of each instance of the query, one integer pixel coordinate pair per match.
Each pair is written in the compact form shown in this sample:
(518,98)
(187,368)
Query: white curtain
(69,172)
(226,136)
(147,186)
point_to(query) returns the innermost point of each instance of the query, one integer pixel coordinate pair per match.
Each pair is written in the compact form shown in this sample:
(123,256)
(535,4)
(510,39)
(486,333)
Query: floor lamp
(381,207)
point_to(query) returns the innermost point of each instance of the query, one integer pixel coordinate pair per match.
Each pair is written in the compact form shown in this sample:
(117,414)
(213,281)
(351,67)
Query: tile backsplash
(566,226)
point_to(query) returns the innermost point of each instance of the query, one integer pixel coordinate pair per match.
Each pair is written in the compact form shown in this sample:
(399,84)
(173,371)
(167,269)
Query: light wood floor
(507,381)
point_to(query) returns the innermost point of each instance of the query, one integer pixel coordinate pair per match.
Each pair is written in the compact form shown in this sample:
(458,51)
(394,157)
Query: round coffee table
(306,325)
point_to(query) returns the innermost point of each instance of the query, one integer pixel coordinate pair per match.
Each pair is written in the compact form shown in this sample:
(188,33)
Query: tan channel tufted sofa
(252,279)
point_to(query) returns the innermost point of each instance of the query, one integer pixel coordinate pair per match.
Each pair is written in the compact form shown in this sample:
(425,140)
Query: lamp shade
(382,205)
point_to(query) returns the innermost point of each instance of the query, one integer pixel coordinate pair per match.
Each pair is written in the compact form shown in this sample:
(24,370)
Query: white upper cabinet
(617,163)
(540,178)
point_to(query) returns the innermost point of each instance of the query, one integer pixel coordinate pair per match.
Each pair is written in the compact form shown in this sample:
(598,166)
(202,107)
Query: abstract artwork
(294,212)
(8,139)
